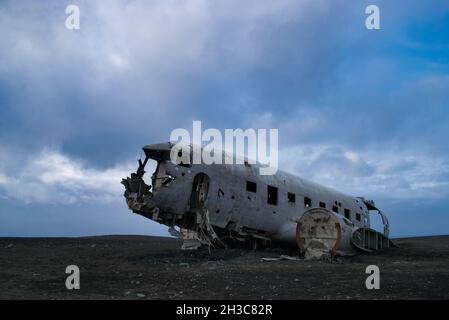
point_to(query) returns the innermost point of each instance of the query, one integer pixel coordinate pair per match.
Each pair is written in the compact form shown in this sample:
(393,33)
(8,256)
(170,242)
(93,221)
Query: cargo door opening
(200,189)
(197,230)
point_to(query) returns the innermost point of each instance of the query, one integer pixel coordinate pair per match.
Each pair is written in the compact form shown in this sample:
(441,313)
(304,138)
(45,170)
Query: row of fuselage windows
(272,198)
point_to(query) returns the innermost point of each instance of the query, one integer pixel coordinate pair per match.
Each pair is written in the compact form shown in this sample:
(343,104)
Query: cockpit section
(177,194)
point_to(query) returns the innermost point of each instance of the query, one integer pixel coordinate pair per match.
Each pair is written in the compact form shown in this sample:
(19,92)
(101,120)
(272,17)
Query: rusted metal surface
(322,234)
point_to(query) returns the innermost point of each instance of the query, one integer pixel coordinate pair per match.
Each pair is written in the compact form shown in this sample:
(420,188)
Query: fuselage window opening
(272,195)
(307,202)
(291,197)
(335,209)
(251,186)
(322,205)
(181,163)
(348,214)
(358,217)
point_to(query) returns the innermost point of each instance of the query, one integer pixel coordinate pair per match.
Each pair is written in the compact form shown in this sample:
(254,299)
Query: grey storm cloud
(141,68)
(362,111)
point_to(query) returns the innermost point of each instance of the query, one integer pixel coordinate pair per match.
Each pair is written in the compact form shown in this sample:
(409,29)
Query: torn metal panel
(282,257)
(190,240)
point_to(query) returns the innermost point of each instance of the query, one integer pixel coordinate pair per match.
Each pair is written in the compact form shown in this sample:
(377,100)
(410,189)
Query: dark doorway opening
(200,188)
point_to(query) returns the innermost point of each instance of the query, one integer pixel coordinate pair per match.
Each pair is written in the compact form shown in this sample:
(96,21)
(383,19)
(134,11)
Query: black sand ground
(134,267)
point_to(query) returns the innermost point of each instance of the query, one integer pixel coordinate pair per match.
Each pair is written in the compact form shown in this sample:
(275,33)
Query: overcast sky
(364,111)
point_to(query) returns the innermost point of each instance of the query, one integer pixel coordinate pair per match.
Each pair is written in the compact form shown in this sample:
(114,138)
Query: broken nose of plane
(159,151)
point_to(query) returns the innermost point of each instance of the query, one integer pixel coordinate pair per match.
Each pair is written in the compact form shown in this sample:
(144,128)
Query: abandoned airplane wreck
(223,205)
